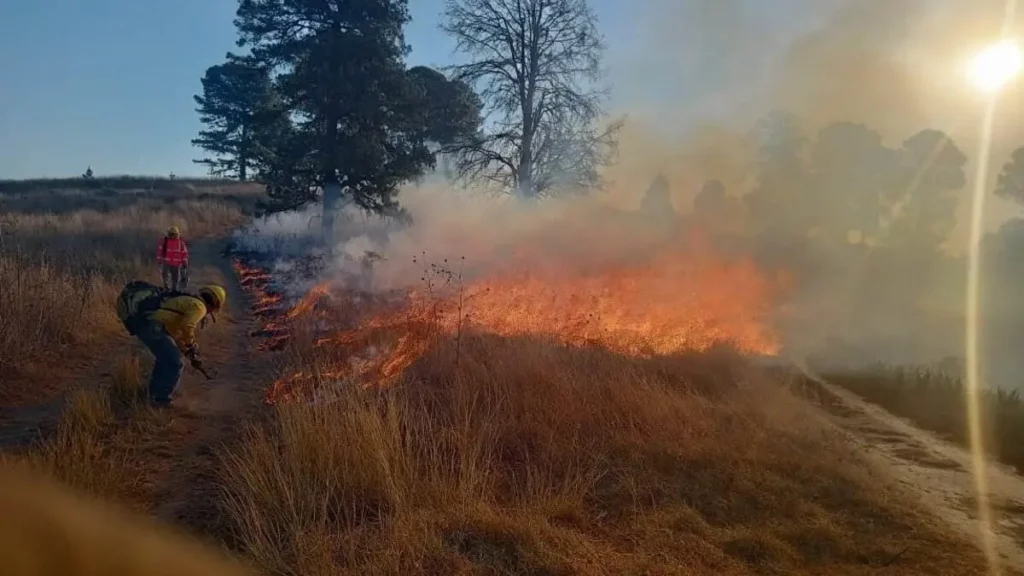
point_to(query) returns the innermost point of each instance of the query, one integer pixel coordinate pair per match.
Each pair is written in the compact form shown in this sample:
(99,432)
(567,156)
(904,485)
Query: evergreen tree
(360,127)
(1011,180)
(851,171)
(927,192)
(778,205)
(240,111)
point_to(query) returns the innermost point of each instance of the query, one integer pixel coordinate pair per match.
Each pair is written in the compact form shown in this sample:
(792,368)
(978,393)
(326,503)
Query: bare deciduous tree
(536,63)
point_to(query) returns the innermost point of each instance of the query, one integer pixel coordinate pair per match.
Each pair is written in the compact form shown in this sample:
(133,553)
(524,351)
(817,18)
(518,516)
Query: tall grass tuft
(535,458)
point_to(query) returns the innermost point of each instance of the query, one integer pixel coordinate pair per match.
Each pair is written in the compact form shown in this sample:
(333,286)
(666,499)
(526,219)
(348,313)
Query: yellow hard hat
(173,232)
(216,294)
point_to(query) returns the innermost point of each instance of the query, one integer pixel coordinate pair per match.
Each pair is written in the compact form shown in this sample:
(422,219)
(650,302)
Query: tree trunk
(524,172)
(331,185)
(528,93)
(525,176)
(243,157)
(332,200)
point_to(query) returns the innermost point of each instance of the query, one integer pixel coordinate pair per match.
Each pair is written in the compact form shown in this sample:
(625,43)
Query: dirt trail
(27,423)
(23,425)
(937,471)
(177,450)
(211,414)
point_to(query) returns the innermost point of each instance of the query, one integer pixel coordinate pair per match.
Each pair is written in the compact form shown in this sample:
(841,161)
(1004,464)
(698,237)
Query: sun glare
(996,66)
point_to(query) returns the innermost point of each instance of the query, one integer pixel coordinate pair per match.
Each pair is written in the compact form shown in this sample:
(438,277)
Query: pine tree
(360,124)
(240,111)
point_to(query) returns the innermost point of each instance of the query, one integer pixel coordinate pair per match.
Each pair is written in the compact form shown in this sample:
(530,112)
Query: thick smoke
(897,66)
(694,81)
(472,234)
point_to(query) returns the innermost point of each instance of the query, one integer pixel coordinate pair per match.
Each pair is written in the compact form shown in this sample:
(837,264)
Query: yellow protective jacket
(180,316)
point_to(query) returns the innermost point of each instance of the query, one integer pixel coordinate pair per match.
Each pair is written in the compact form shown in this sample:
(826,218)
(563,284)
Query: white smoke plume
(470,234)
(695,79)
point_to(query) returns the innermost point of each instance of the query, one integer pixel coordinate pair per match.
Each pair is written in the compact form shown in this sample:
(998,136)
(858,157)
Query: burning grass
(527,456)
(92,447)
(552,422)
(679,300)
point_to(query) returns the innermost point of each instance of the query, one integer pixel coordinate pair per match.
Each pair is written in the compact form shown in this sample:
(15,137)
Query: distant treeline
(123,182)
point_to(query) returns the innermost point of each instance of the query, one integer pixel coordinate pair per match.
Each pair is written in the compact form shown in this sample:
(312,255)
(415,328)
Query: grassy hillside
(116,183)
(520,457)
(528,457)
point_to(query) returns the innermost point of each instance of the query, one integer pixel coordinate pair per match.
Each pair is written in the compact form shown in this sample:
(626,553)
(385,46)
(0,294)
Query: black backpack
(138,299)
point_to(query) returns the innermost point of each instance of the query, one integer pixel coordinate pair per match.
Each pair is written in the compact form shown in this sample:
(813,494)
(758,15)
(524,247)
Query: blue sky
(109,83)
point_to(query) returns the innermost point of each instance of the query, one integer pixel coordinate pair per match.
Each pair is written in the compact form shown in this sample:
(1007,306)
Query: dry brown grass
(63,258)
(532,458)
(61,271)
(94,445)
(526,458)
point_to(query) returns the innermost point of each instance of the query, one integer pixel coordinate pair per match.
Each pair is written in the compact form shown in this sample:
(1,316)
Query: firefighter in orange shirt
(172,255)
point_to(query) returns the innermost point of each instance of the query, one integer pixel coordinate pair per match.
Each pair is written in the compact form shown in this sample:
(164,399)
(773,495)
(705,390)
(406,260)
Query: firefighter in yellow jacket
(166,322)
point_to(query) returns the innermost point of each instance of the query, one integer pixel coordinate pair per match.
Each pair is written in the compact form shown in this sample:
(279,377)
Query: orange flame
(310,301)
(683,300)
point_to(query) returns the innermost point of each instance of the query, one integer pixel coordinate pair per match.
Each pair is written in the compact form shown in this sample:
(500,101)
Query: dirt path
(26,423)
(210,414)
(22,425)
(174,453)
(935,470)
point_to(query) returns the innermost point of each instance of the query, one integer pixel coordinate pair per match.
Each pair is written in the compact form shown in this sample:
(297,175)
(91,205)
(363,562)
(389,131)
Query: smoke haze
(694,85)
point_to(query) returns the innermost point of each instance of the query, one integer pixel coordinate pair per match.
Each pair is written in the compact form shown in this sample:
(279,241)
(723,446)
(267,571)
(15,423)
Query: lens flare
(996,66)
(992,69)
